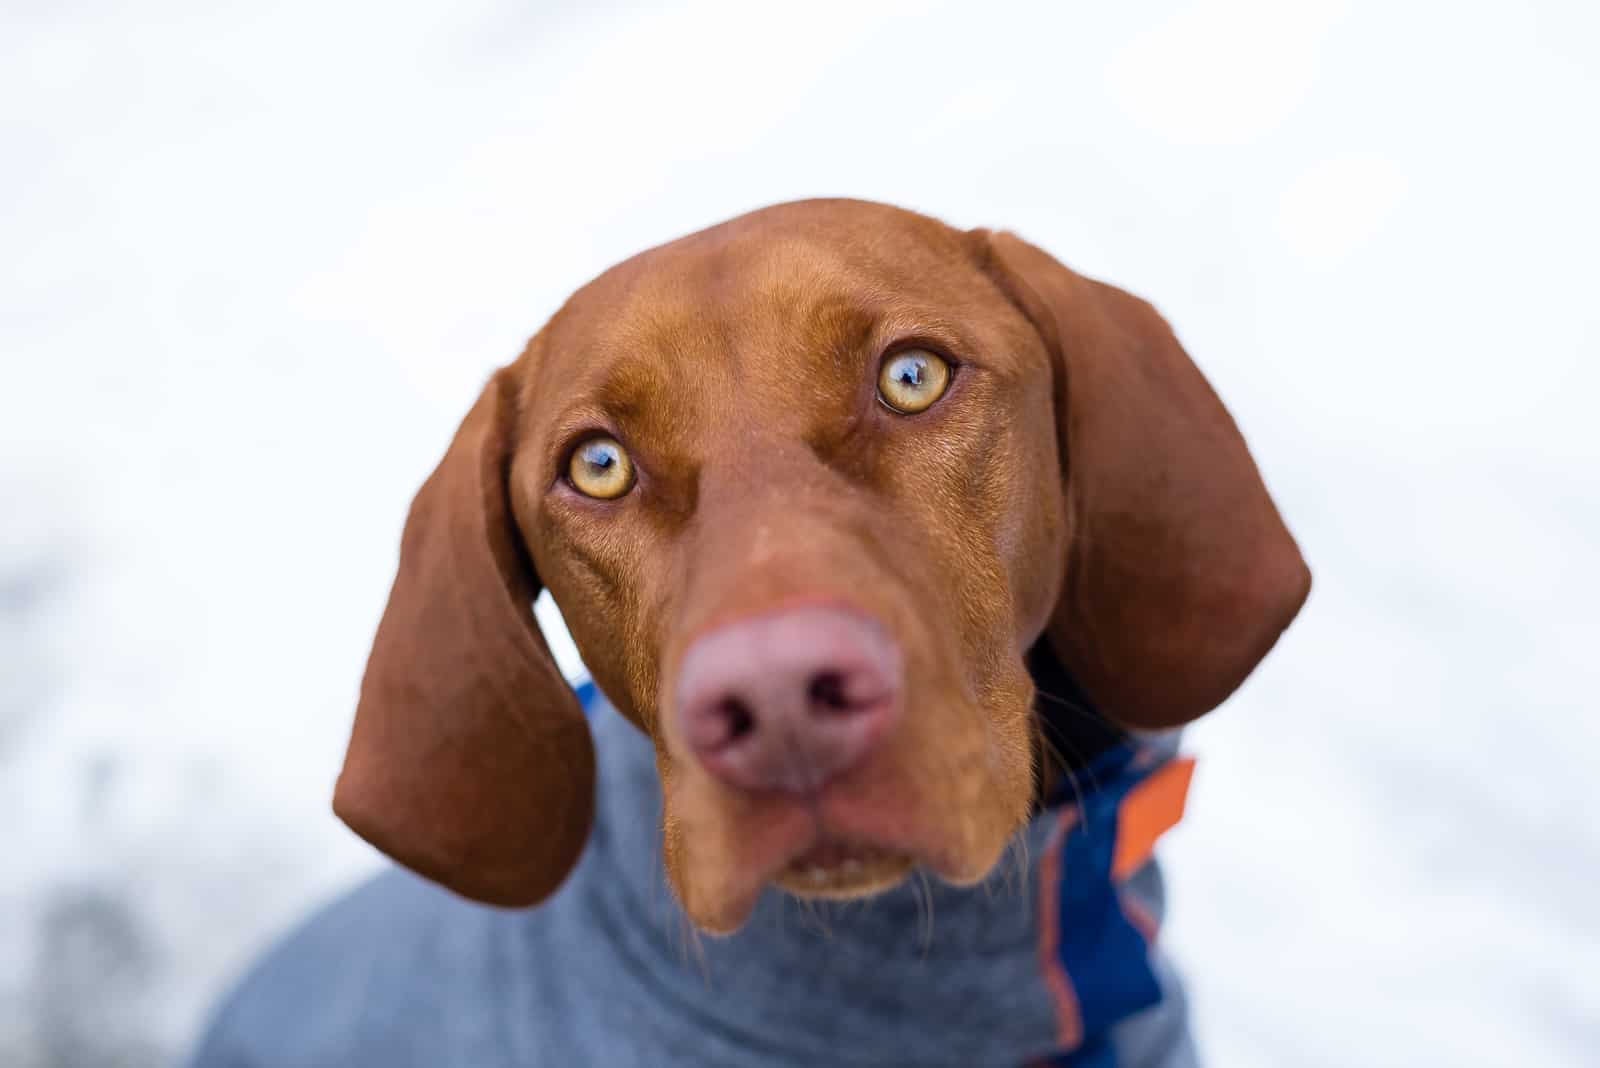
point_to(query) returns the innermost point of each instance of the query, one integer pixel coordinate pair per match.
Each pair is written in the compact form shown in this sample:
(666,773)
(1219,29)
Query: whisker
(680,930)
(1074,706)
(1017,877)
(1066,770)
(815,918)
(697,946)
(1010,875)
(1055,743)
(925,898)
(686,938)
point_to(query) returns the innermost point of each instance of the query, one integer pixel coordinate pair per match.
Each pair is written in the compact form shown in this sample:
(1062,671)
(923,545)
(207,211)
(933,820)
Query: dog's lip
(835,866)
(829,852)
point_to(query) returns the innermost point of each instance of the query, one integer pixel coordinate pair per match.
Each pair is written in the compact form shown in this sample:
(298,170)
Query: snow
(259,259)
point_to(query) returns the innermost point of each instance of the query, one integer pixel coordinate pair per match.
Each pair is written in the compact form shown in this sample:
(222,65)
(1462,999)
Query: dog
(893,551)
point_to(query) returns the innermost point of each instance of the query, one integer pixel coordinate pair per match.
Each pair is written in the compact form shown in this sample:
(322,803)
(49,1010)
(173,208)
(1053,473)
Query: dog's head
(806,487)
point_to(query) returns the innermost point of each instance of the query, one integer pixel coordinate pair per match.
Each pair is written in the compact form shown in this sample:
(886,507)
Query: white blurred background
(256,263)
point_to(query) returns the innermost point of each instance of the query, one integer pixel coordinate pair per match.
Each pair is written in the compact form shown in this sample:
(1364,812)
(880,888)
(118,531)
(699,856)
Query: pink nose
(788,701)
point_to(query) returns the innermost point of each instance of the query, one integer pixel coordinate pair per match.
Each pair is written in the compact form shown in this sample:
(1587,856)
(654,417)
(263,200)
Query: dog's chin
(830,872)
(834,869)
(814,868)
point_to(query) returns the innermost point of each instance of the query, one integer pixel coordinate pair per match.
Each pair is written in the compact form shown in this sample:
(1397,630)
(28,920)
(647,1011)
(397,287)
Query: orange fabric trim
(1150,810)
(1069,1020)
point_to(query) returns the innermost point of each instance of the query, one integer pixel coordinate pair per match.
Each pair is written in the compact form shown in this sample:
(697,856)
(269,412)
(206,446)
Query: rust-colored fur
(1079,478)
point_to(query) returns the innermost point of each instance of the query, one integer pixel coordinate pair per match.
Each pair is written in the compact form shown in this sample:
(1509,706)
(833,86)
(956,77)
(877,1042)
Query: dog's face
(832,437)
(749,375)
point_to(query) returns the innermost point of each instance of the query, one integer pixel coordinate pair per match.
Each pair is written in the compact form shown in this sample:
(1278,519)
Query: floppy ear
(470,761)
(1181,574)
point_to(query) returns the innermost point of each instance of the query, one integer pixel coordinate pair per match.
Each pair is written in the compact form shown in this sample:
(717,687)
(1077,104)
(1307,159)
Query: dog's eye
(600,468)
(912,380)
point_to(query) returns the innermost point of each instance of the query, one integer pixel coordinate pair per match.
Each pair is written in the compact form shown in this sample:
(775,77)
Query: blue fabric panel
(1106,958)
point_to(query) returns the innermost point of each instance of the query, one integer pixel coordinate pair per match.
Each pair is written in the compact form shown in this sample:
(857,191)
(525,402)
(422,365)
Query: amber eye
(600,468)
(912,380)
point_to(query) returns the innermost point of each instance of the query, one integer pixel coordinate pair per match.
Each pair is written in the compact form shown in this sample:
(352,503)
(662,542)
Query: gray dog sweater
(1053,961)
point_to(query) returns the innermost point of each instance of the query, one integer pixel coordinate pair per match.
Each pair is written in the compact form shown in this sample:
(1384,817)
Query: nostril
(737,718)
(826,691)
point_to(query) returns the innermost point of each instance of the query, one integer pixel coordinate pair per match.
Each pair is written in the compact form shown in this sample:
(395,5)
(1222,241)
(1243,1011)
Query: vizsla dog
(903,548)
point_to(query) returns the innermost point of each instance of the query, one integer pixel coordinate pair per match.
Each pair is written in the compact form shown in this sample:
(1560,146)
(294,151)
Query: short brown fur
(1079,478)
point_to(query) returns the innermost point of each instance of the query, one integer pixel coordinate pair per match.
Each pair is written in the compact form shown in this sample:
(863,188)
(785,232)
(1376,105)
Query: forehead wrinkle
(845,296)
(645,379)
(643,343)
(850,331)
(810,322)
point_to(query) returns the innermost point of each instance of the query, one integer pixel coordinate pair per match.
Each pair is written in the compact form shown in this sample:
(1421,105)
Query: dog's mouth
(841,868)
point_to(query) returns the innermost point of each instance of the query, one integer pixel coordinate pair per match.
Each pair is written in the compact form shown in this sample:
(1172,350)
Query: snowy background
(255,264)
